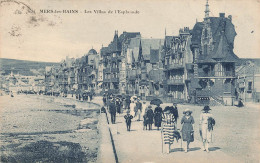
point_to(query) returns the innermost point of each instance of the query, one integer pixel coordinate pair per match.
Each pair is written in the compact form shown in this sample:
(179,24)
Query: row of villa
(196,66)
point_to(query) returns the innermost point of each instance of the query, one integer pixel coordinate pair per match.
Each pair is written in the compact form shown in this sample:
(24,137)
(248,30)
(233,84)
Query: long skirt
(167,131)
(205,133)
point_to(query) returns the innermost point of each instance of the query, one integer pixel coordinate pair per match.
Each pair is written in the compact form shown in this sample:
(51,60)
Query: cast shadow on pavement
(176,150)
(214,148)
(194,149)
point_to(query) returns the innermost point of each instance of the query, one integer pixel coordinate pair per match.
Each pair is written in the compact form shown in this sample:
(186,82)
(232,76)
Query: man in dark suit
(112,111)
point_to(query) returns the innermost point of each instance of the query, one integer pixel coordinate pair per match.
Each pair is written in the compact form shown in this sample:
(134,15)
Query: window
(249,86)
(205,50)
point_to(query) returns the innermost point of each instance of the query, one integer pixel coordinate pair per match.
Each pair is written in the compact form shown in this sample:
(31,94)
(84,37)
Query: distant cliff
(23,67)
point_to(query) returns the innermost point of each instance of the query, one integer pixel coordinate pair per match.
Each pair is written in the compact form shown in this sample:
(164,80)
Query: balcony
(109,70)
(175,82)
(114,69)
(221,74)
(230,73)
(174,66)
(111,80)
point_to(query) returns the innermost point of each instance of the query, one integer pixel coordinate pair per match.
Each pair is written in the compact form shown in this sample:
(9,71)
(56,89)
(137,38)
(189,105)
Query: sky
(28,34)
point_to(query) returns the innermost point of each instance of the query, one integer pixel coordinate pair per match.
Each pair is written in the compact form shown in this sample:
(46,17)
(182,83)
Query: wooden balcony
(175,82)
(174,66)
(213,74)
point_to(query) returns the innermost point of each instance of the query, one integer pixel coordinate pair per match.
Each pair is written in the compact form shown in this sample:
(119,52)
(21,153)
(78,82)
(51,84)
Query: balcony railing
(175,81)
(111,80)
(174,66)
(217,74)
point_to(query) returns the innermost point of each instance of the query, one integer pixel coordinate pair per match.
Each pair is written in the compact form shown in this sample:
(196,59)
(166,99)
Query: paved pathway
(140,146)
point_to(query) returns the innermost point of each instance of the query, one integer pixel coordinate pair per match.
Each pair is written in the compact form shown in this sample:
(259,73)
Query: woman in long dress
(132,108)
(168,128)
(158,116)
(206,127)
(187,122)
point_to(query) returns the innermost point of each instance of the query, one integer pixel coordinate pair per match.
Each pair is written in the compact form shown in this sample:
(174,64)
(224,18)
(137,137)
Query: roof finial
(207,9)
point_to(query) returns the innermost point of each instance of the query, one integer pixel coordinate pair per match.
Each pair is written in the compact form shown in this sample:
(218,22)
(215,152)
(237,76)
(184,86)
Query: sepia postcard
(141,81)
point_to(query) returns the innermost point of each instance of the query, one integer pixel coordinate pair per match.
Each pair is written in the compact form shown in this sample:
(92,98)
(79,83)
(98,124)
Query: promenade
(140,145)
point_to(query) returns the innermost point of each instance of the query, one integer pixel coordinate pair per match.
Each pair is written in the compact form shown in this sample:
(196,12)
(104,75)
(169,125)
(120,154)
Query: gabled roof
(223,33)
(146,44)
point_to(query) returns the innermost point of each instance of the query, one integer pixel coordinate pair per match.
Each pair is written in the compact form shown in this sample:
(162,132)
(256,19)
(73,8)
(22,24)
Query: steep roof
(92,51)
(196,33)
(146,44)
(154,57)
(223,33)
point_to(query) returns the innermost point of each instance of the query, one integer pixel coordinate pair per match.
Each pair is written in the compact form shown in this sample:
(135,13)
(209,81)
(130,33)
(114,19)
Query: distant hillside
(23,67)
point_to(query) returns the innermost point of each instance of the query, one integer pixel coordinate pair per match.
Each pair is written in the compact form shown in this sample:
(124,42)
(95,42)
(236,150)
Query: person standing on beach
(187,122)
(206,127)
(128,119)
(112,110)
(158,116)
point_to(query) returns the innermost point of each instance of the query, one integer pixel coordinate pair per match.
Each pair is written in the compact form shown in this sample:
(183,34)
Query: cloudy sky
(27,34)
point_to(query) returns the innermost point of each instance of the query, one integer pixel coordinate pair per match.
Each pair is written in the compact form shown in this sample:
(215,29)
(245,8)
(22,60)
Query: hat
(206,108)
(166,109)
(187,110)
(144,102)
(150,106)
(128,111)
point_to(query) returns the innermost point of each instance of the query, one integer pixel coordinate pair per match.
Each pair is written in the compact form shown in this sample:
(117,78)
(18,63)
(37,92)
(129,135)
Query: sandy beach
(47,129)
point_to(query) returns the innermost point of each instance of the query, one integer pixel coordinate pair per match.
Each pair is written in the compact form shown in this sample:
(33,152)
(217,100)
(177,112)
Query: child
(128,117)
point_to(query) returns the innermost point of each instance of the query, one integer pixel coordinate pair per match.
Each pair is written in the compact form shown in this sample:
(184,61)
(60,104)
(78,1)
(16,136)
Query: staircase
(216,101)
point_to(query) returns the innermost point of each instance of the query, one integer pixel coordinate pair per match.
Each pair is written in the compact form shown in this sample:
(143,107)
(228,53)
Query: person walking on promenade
(175,112)
(128,119)
(168,129)
(187,122)
(158,116)
(112,110)
(150,117)
(128,102)
(139,109)
(124,103)
(206,127)
(104,100)
(118,106)
(144,107)
(132,108)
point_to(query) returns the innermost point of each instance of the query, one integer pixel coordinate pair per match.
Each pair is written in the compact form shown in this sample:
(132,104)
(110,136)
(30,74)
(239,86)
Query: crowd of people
(164,119)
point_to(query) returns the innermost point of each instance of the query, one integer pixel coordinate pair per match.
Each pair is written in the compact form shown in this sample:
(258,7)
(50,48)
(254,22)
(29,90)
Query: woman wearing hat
(187,122)
(206,127)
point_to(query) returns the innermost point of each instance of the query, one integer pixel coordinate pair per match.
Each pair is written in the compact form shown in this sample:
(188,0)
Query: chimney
(221,15)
